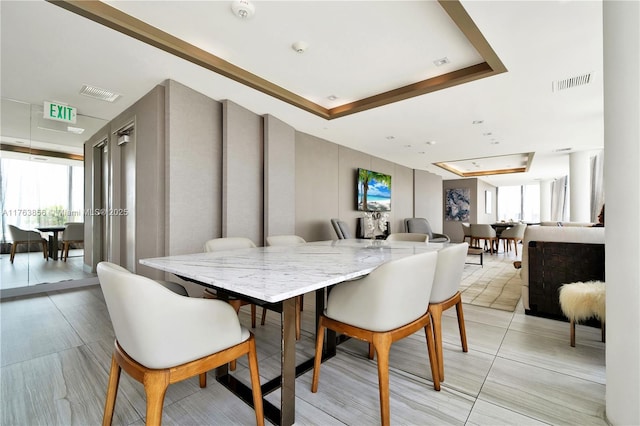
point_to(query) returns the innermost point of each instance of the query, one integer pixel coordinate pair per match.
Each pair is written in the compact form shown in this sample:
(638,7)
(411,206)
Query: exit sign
(60,112)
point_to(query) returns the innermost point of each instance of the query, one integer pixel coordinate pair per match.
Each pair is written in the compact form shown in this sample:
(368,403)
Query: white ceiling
(356,49)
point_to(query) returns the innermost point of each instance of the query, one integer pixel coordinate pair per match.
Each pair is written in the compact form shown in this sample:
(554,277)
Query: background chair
(342,229)
(157,349)
(483,232)
(387,305)
(445,294)
(406,236)
(286,240)
(420,225)
(515,234)
(21,236)
(230,243)
(466,232)
(73,233)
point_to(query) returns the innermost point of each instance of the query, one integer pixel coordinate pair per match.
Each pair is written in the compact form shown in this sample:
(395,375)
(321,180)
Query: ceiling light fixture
(332,97)
(477,122)
(243,9)
(441,61)
(430,142)
(391,138)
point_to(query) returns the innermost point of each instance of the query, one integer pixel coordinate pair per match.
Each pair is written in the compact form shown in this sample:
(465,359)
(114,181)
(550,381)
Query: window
(40,193)
(519,203)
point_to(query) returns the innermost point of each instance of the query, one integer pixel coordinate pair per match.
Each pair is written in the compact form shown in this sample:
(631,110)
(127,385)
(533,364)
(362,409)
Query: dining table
(273,277)
(54,232)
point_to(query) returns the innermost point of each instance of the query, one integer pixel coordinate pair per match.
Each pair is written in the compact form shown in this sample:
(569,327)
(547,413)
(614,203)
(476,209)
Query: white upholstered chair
(73,233)
(286,240)
(421,225)
(387,305)
(408,236)
(445,295)
(342,229)
(230,243)
(513,234)
(21,236)
(169,338)
(466,231)
(484,232)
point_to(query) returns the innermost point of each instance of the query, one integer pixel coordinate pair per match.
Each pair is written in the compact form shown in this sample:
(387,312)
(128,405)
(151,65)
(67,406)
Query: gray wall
(426,204)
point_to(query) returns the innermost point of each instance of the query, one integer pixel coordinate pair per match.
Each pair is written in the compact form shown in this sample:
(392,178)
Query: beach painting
(458,204)
(374,191)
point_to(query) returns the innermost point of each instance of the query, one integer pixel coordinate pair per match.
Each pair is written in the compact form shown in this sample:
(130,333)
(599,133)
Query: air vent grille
(98,93)
(571,82)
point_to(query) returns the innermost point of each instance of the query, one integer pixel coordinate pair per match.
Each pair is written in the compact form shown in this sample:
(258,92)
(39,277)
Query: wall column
(622,186)
(545,200)
(579,187)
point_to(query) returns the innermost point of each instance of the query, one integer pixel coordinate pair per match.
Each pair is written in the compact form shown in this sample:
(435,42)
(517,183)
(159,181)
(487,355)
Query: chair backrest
(407,236)
(228,243)
(479,230)
(18,234)
(157,327)
(466,229)
(516,231)
(449,270)
(342,229)
(284,240)
(418,225)
(394,294)
(73,232)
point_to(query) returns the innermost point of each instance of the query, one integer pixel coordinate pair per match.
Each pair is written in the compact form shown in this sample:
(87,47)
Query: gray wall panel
(427,197)
(279,177)
(242,173)
(193,172)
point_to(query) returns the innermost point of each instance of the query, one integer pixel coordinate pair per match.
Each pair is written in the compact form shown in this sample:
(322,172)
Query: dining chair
(169,338)
(73,233)
(408,236)
(342,229)
(421,225)
(230,243)
(21,236)
(515,234)
(484,232)
(387,305)
(445,294)
(466,231)
(287,240)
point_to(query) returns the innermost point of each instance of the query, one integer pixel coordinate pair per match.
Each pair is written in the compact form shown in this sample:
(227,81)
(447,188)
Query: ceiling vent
(98,93)
(568,83)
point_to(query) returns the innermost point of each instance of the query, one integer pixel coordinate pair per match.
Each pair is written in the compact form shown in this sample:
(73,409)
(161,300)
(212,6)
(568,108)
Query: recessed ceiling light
(391,138)
(477,122)
(243,9)
(441,61)
(332,97)
(407,146)
(494,142)
(422,152)
(430,142)
(300,46)
(98,93)
(487,134)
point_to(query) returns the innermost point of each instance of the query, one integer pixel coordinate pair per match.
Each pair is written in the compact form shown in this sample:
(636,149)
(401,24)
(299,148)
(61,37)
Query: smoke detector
(243,9)
(300,46)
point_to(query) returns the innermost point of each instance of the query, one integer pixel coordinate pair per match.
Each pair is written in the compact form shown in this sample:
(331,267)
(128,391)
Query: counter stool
(582,300)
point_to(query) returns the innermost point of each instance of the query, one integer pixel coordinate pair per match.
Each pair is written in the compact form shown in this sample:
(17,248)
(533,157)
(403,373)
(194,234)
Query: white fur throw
(582,300)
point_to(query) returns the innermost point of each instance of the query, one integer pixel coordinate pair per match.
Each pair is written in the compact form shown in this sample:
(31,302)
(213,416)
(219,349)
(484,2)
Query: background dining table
(53,231)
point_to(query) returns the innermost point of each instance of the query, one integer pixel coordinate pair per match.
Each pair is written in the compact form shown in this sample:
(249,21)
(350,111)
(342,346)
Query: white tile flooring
(520,370)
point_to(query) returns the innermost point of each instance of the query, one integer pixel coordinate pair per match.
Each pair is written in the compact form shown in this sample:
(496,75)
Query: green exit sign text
(60,112)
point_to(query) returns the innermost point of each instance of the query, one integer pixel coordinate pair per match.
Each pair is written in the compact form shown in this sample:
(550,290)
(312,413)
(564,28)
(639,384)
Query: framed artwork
(457,204)
(487,202)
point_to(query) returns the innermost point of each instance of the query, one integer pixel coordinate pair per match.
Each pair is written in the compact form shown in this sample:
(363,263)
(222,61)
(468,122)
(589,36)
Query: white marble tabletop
(274,274)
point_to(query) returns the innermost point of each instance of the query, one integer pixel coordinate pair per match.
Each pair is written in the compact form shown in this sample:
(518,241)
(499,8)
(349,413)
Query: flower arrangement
(375,224)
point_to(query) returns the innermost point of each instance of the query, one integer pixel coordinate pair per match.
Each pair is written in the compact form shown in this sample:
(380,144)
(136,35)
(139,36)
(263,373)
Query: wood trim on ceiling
(117,20)
(41,152)
(448,167)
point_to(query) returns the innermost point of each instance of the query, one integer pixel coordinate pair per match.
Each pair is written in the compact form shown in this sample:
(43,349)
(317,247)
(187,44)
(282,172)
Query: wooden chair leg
(382,345)
(264,316)
(572,325)
(436,322)
(13,251)
(515,246)
(203,380)
(155,388)
(298,318)
(461,326)
(44,250)
(255,382)
(253,315)
(112,392)
(318,358)
(433,361)
(371,351)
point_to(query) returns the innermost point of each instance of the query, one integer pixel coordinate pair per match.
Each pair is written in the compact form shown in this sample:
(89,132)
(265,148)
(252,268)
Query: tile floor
(520,370)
